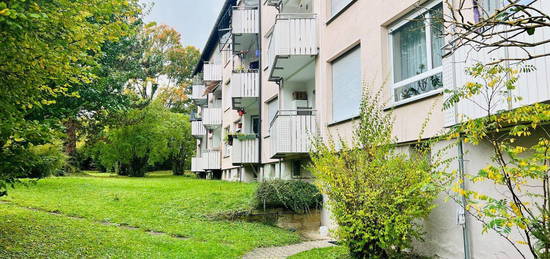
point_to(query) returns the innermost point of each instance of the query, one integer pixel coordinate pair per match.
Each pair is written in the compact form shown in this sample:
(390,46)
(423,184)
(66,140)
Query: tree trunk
(177,166)
(71,126)
(138,167)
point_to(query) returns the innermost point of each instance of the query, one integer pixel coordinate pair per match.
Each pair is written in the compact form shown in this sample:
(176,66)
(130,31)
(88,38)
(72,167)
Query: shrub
(376,195)
(297,196)
(45,160)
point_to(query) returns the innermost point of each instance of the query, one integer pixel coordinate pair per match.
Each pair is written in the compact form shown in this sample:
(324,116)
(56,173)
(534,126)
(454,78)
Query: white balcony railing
(292,35)
(198,93)
(245,85)
(198,164)
(245,21)
(197,129)
(212,117)
(212,72)
(245,151)
(291,132)
(213,160)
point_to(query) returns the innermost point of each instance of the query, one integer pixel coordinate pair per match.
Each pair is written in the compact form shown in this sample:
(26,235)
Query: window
(296,168)
(338,5)
(489,7)
(255,125)
(272,109)
(227,96)
(416,46)
(346,85)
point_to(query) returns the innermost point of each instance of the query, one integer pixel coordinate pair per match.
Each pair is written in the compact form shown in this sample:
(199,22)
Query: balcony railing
(197,129)
(212,117)
(245,84)
(245,20)
(212,72)
(198,164)
(293,35)
(245,151)
(198,94)
(291,132)
(213,160)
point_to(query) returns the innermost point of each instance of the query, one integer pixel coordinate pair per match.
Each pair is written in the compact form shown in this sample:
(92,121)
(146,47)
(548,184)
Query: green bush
(376,195)
(298,196)
(45,160)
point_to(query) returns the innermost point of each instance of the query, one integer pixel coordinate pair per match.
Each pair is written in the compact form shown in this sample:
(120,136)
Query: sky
(194,19)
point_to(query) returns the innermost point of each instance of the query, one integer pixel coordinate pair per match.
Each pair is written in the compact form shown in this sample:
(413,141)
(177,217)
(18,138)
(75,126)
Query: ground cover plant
(177,206)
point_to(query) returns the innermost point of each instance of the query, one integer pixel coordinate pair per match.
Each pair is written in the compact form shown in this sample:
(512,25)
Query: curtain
(272,108)
(346,86)
(409,50)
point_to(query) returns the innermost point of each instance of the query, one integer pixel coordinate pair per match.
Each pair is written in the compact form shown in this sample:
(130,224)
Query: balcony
(212,160)
(292,45)
(291,132)
(198,95)
(245,151)
(245,27)
(197,129)
(245,87)
(212,73)
(212,117)
(198,164)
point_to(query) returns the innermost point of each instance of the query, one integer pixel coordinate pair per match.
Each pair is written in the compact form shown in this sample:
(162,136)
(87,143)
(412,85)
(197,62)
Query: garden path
(286,251)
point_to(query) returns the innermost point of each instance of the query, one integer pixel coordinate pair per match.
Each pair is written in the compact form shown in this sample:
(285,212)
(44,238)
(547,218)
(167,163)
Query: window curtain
(409,50)
(346,86)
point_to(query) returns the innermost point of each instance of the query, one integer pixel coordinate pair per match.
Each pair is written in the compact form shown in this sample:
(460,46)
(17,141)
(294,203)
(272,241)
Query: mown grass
(335,252)
(159,202)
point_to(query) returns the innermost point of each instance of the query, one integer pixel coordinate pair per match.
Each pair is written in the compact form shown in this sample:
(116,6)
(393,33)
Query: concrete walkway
(286,251)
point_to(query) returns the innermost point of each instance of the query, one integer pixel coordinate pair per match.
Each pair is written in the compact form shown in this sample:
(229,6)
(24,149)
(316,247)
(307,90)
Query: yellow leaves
(515,209)
(4,12)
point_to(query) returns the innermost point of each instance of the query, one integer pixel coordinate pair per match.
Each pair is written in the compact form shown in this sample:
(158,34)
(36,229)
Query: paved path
(285,251)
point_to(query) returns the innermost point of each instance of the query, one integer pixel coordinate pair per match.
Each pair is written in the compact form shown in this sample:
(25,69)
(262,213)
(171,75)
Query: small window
(417,54)
(256,125)
(273,108)
(346,86)
(296,168)
(338,5)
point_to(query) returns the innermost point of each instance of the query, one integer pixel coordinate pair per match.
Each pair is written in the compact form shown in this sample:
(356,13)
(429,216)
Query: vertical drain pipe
(260,101)
(461,170)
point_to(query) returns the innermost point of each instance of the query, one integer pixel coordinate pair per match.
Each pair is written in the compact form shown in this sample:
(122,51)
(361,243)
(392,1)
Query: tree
(519,168)
(47,47)
(480,25)
(162,58)
(145,137)
(376,195)
(181,143)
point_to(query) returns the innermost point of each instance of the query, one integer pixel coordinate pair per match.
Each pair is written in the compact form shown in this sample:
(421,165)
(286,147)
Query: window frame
(431,71)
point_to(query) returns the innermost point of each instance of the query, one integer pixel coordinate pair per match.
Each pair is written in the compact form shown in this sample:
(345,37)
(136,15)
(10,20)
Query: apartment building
(276,72)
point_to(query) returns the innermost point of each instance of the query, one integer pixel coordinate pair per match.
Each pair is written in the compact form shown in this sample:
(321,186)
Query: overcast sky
(192,18)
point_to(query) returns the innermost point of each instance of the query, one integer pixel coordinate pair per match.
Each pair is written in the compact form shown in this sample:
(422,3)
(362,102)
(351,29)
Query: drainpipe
(259,39)
(463,215)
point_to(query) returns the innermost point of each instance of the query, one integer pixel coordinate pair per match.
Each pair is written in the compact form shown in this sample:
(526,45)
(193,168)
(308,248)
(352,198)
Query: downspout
(261,86)
(462,215)
(465,229)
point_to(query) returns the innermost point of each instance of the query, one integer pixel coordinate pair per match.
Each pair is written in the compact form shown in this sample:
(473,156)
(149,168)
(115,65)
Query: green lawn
(336,252)
(159,202)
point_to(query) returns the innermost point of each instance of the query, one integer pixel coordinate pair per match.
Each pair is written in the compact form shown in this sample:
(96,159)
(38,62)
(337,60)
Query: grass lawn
(335,252)
(159,202)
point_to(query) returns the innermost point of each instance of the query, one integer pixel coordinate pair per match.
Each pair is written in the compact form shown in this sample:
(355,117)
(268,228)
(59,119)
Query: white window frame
(425,10)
